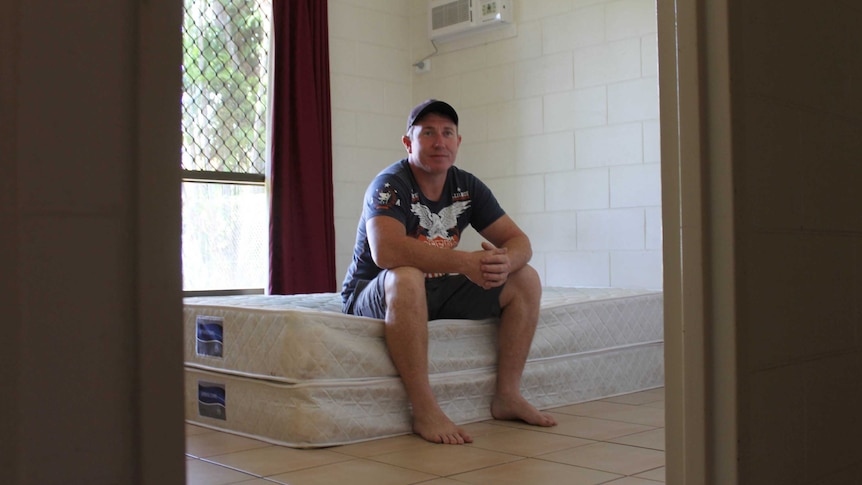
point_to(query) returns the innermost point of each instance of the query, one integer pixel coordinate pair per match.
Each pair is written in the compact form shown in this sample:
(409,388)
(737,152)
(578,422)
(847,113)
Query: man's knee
(527,278)
(404,282)
(404,275)
(405,294)
(524,285)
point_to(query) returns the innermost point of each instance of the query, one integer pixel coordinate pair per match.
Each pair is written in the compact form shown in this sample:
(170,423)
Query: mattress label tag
(210,339)
(212,400)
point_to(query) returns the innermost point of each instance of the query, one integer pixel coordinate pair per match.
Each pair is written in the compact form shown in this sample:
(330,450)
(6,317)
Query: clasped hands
(491,268)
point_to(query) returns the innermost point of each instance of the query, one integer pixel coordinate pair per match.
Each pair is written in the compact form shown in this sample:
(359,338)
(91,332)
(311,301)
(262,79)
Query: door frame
(698,229)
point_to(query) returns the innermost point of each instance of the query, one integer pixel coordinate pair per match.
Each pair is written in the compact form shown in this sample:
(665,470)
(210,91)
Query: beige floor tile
(382,446)
(445,460)
(353,472)
(535,472)
(637,398)
(442,481)
(645,415)
(484,428)
(502,452)
(629,481)
(527,443)
(211,444)
(193,430)
(274,460)
(616,411)
(595,409)
(654,439)
(593,428)
(610,457)
(204,473)
(657,474)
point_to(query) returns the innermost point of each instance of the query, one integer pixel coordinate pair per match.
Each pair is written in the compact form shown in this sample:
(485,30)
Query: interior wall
(68,275)
(371,96)
(89,247)
(797,119)
(763,315)
(559,115)
(10,299)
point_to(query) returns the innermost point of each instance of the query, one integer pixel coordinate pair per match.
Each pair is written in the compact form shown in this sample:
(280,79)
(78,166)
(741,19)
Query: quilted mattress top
(306,338)
(331,302)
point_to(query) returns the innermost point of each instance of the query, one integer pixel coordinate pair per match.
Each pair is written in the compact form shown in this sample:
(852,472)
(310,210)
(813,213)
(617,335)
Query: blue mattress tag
(212,400)
(210,338)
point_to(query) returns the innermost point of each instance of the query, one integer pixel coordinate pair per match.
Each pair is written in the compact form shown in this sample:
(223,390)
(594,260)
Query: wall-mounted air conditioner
(451,19)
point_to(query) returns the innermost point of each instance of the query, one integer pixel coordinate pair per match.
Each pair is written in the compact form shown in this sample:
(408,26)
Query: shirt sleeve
(486,208)
(386,196)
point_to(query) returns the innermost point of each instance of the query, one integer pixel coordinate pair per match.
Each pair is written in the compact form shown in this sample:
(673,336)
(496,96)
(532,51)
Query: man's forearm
(421,255)
(520,252)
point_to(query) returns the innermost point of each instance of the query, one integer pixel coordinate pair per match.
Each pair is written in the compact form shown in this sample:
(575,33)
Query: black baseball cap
(431,106)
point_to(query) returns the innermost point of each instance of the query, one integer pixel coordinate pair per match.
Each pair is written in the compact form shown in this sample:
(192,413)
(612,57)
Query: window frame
(231,177)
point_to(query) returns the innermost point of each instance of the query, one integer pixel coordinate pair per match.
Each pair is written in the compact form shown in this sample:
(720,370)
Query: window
(224,104)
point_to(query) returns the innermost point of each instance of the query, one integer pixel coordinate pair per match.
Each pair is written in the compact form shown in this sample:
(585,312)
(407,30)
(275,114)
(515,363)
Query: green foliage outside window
(224,105)
(225,50)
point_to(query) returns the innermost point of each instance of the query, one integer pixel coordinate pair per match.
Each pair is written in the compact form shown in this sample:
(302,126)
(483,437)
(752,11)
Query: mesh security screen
(225,51)
(224,106)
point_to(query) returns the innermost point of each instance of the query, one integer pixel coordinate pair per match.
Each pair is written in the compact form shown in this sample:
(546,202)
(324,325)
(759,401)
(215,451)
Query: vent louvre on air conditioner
(450,14)
(450,19)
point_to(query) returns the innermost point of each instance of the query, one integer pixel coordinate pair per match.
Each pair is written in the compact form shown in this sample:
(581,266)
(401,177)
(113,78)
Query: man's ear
(407,142)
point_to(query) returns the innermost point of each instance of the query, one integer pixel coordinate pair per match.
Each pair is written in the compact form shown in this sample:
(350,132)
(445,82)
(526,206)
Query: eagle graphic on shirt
(440,229)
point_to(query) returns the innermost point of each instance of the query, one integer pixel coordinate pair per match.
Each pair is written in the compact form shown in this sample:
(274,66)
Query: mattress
(294,370)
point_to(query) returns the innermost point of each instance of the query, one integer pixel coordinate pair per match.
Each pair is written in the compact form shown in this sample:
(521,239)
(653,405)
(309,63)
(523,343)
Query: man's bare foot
(517,408)
(438,428)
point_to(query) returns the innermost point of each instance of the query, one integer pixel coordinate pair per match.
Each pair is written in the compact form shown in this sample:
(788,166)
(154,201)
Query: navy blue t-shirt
(394,192)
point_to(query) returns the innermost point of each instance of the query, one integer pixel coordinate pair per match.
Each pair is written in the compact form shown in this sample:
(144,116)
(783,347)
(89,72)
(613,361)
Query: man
(406,270)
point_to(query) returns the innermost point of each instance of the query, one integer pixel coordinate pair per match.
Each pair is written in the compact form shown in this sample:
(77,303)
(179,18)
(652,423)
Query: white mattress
(294,370)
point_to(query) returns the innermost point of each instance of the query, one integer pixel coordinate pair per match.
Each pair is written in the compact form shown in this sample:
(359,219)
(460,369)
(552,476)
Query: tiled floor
(619,441)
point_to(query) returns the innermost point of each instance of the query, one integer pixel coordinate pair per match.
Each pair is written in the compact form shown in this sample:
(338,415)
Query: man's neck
(430,184)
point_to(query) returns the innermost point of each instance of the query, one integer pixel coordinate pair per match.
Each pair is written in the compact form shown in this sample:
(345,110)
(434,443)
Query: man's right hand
(490,266)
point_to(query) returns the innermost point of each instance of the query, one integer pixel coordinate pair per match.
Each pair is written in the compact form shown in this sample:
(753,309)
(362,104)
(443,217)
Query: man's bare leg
(407,341)
(520,301)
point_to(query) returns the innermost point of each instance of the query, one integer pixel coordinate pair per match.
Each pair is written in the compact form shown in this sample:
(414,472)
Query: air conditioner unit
(451,19)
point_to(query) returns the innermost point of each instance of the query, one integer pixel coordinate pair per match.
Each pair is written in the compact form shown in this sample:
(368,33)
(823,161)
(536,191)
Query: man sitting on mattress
(406,269)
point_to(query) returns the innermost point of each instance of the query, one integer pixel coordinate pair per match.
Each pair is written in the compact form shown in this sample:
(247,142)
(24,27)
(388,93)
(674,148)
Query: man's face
(432,143)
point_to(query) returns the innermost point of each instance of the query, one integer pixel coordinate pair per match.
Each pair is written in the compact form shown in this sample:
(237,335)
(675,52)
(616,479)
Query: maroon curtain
(302,228)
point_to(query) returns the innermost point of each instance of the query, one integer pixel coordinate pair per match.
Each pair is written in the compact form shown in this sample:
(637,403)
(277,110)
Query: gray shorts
(452,296)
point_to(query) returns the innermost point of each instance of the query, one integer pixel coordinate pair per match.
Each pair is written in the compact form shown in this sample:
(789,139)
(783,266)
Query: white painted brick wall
(559,116)
(580,108)
(577,190)
(610,145)
(606,63)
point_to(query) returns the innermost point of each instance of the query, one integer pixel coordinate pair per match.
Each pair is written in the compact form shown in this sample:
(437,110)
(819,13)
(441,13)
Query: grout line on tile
(245,472)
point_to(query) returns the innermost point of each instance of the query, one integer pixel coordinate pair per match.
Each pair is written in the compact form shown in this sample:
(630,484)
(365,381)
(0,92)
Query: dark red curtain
(302,227)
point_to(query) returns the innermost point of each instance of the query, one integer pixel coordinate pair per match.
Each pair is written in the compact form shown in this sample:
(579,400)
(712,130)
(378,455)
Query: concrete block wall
(559,115)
